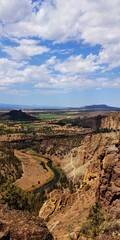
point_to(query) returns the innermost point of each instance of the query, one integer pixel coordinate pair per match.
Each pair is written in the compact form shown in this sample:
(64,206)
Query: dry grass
(34,175)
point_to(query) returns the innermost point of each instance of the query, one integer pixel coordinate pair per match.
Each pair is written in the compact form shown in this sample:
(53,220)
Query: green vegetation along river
(52,182)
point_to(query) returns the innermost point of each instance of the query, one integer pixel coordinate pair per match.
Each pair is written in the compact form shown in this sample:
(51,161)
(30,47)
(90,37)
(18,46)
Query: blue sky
(60,53)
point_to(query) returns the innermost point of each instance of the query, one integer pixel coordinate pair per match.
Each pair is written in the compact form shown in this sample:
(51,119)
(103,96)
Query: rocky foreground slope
(18,225)
(94,168)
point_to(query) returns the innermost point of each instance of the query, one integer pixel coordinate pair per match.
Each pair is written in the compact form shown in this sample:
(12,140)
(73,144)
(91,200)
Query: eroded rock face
(18,225)
(111,122)
(108,192)
(77,163)
(65,212)
(96,164)
(55,202)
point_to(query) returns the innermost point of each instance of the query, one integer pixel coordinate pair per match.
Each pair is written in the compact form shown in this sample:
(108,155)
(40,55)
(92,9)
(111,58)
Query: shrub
(21,200)
(93,225)
(87,187)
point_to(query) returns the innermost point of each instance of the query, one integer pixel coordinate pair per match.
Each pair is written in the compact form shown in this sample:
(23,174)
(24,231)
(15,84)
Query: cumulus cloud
(110,54)
(10,72)
(44,76)
(14,11)
(86,22)
(78,64)
(95,22)
(26,48)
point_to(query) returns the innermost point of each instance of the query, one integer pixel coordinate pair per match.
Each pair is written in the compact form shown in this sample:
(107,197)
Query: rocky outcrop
(64,213)
(111,122)
(92,122)
(97,121)
(57,200)
(79,163)
(109,181)
(95,164)
(17,225)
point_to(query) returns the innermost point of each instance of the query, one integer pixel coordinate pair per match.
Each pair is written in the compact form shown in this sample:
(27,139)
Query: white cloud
(52,61)
(89,21)
(78,64)
(110,55)
(13,11)
(44,77)
(10,72)
(26,48)
(96,22)
(93,22)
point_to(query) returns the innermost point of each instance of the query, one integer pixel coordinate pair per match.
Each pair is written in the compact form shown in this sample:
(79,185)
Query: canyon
(84,203)
(94,166)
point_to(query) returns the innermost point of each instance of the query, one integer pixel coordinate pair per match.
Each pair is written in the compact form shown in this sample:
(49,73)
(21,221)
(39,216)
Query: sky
(60,52)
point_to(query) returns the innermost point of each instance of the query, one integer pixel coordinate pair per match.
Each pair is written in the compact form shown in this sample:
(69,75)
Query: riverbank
(38,171)
(35,171)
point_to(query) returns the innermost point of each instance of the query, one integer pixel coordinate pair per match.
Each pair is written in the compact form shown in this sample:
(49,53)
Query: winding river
(52,182)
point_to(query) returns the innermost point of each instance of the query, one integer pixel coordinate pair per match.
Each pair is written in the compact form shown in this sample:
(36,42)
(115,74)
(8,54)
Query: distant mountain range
(101,107)
(10,106)
(23,107)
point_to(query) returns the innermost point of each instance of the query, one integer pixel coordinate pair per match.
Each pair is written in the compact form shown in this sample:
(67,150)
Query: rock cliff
(111,122)
(78,162)
(95,164)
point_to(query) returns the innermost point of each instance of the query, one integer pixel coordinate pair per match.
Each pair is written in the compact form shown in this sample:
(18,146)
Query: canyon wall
(95,165)
(111,122)
(77,163)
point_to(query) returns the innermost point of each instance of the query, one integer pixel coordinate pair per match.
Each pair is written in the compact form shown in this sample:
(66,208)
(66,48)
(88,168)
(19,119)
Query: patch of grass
(51,116)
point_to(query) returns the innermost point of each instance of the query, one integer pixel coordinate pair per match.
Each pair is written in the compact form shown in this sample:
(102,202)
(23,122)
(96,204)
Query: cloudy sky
(60,52)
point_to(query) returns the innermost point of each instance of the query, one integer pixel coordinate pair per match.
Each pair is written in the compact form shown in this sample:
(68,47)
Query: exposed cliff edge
(111,122)
(95,165)
(76,163)
(96,120)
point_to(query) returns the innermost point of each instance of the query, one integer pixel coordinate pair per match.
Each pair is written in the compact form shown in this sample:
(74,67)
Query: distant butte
(18,115)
